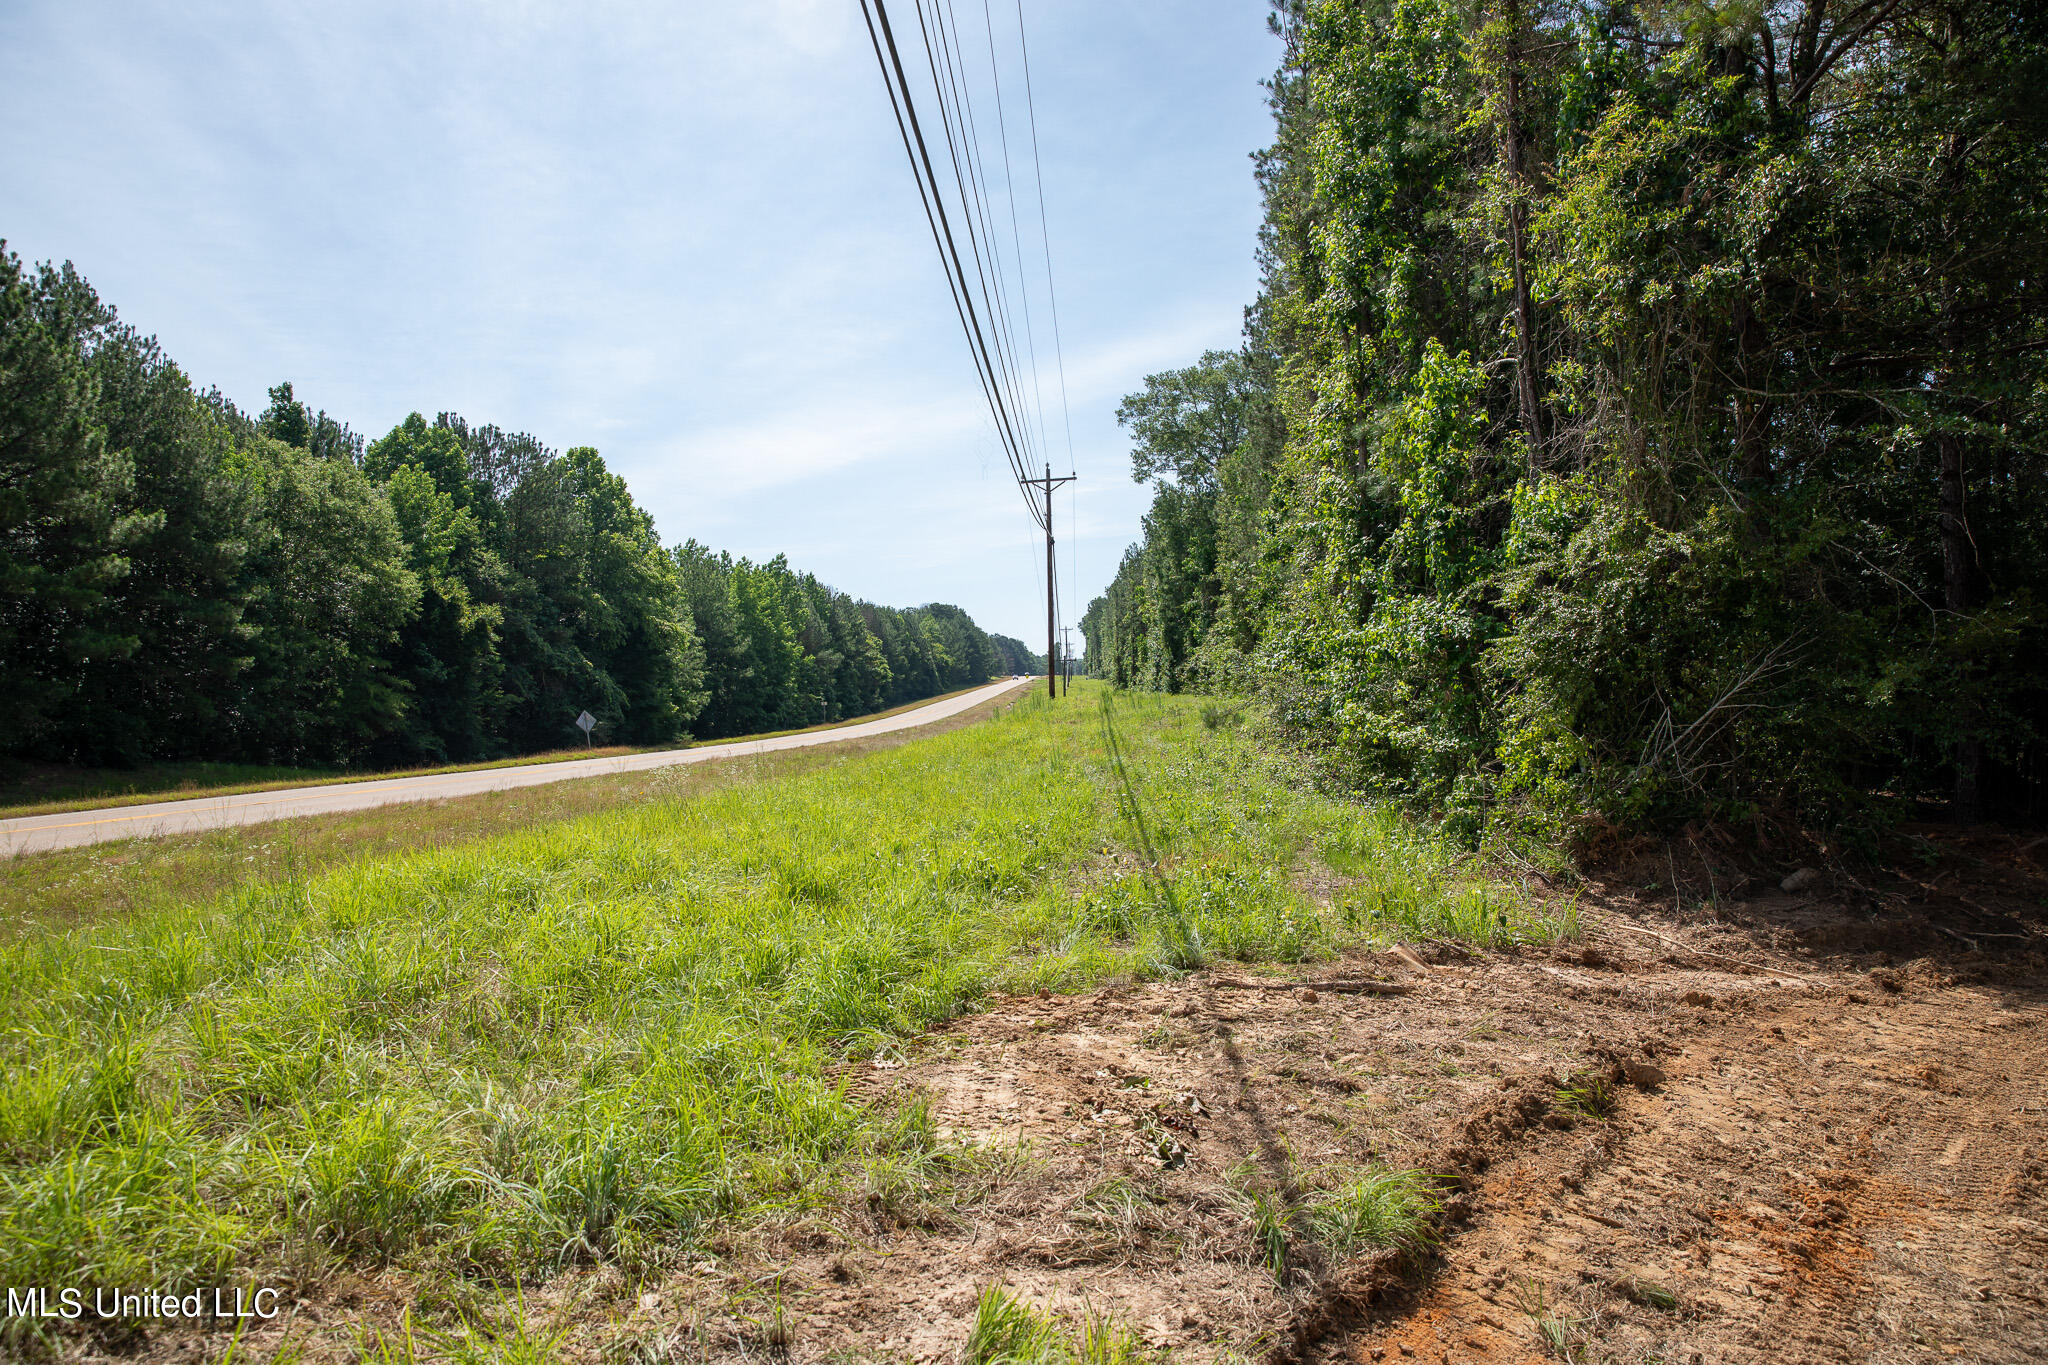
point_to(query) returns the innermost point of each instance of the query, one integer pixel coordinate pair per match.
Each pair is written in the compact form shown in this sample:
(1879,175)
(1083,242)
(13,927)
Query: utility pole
(1066,661)
(1048,483)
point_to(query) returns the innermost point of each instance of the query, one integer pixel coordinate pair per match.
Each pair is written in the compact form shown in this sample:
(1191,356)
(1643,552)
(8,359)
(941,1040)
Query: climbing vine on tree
(1650,415)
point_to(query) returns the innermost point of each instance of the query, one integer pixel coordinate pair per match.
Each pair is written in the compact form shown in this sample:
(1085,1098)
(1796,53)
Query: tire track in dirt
(1828,1176)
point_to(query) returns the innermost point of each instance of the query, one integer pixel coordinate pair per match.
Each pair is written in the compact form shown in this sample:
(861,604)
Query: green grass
(602,1039)
(1590,1096)
(1269,1232)
(1414,883)
(1344,1211)
(1008,1331)
(1372,1208)
(52,789)
(141,878)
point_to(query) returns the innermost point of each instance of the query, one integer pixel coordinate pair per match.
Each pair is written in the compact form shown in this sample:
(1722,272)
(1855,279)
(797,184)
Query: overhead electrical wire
(957,117)
(965,98)
(982,294)
(1017,233)
(1051,292)
(931,194)
(1044,231)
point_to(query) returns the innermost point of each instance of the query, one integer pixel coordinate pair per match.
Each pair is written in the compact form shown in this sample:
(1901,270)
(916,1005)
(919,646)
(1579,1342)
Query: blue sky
(682,233)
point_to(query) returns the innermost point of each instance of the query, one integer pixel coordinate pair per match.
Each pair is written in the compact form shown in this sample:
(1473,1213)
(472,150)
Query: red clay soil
(1844,1167)
(1823,1176)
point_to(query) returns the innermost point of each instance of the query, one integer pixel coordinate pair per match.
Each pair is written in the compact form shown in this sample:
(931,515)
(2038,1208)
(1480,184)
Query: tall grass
(601,1038)
(1182,939)
(1008,1331)
(1371,1208)
(1413,882)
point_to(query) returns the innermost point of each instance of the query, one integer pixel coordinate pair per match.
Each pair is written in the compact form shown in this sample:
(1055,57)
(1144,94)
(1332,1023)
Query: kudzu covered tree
(1662,400)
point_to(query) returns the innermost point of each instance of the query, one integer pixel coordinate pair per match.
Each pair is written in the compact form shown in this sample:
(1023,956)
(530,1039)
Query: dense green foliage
(782,650)
(1643,416)
(180,581)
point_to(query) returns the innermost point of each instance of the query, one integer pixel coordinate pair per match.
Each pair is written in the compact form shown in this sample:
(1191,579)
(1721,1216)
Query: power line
(994,362)
(971,189)
(993,348)
(929,193)
(1016,232)
(953,51)
(1045,241)
(1044,232)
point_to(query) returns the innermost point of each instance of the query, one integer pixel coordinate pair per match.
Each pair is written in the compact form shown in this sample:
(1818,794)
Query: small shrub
(1590,1096)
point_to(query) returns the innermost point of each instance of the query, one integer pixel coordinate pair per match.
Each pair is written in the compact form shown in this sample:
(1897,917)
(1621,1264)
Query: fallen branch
(1969,943)
(1683,946)
(1340,987)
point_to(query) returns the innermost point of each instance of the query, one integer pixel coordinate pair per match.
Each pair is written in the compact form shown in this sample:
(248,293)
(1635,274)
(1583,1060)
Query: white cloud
(735,459)
(684,233)
(743,458)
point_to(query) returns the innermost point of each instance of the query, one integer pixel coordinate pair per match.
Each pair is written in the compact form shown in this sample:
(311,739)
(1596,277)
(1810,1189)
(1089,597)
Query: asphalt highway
(41,833)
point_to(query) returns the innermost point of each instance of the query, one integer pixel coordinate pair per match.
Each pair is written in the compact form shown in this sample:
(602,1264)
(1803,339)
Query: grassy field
(605,1038)
(49,789)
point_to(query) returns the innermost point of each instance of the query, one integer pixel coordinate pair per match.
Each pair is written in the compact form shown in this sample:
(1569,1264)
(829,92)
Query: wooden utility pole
(1066,661)
(1048,483)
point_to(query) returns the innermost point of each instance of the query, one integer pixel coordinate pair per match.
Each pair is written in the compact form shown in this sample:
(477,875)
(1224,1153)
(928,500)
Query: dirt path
(1825,1176)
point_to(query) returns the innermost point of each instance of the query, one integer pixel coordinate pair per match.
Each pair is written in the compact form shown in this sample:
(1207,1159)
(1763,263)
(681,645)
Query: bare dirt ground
(1826,1139)
(1732,1124)
(1844,1168)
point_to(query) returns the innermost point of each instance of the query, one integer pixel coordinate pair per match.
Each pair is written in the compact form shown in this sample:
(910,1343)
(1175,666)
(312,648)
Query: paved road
(40,833)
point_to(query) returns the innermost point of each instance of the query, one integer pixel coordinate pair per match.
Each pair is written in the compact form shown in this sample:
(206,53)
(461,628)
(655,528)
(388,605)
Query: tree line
(1642,418)
(182,580)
